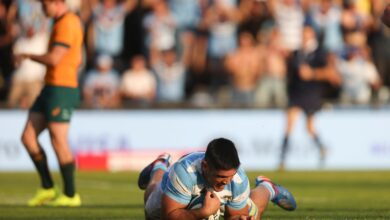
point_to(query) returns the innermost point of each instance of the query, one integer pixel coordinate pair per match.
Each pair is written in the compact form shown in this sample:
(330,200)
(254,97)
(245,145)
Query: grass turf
(320,195)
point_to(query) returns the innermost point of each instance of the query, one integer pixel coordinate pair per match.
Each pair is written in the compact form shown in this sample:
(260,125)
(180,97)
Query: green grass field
(320,195)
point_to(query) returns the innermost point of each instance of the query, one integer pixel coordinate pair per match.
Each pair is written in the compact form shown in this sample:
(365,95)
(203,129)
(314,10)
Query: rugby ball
(197,202)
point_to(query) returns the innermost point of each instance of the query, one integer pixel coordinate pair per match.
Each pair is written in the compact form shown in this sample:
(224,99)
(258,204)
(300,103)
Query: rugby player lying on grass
(205,185)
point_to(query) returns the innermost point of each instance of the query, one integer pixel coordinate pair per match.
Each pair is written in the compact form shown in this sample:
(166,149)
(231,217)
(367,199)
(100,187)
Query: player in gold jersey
(54,106)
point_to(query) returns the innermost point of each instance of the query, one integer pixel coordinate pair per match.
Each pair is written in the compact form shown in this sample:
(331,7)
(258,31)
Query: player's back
(185,182)
(67,32)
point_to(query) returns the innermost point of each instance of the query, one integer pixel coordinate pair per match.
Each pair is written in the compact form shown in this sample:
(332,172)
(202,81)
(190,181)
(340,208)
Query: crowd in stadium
(200,52)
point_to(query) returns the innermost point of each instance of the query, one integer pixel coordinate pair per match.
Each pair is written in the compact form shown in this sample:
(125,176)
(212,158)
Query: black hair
(221,154)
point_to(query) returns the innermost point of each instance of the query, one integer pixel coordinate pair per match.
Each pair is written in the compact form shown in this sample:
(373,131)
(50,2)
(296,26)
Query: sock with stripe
(159,165)
(269,187)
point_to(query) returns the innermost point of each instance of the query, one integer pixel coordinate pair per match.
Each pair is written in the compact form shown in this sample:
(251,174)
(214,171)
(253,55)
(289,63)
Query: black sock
(67,172)
(40,161)
(284,148)
(318,141)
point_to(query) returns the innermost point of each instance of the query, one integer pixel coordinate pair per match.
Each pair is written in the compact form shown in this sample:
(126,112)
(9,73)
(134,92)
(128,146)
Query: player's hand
(18,58)
(242,217)
(211,203)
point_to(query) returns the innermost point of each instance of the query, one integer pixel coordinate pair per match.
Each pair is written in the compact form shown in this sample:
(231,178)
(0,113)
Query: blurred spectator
(289,17)
(363,6)
(8,33)
(307,69)
(101,87)
(105,34)
(170,74)
(271,90)
(353,24)
(325,17)
(359,76)
(74,5)
(204,32)
(138,84)
(379,42)
(244,66)
(86,10)
(31,18)
(134,33)
(27,80)
(221,19)
(259,17)
(160,27)
(187,15)
(201,97)
(195,56)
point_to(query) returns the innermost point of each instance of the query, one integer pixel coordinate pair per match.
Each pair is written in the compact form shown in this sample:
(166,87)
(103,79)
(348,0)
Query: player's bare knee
(27,139)
(24,139)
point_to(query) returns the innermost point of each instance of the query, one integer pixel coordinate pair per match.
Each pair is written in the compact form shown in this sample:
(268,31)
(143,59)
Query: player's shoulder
(184,174)
(239,186)
(240,178)
(189,164)
(71,19)
(191,159)
(72,16)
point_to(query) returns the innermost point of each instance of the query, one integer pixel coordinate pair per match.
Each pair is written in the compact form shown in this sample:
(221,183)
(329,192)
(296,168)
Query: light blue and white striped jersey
(184,183)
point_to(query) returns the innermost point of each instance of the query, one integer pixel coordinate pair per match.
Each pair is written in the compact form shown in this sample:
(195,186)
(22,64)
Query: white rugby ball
(197,202)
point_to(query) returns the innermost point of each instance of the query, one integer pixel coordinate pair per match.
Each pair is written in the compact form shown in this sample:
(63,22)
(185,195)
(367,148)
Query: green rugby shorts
(57,103)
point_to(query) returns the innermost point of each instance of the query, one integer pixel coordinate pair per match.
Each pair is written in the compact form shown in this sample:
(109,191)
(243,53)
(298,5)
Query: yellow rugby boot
(42,196)
(66,201)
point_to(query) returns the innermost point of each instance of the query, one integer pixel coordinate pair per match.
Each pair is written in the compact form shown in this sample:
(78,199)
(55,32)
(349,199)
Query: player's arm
(52,58)
(238,208)
(326,73)
(61,39)
(177,195)
(173,210)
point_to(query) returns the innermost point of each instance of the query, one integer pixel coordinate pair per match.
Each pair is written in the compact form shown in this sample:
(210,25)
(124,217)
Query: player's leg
(259,201)
(35,124)
(32,89)
(58,109)
(310,121)
(152,174)
(154,181)
(291,117)
(266,191)
(58,132)
(150,179)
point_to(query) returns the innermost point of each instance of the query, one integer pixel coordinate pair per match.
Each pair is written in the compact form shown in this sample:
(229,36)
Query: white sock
(270,189)
(159,165)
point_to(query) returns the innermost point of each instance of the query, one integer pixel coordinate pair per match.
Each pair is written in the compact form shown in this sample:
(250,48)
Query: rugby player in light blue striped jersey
(205,185)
